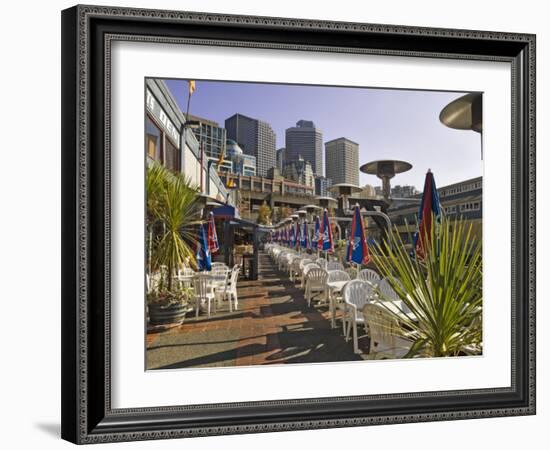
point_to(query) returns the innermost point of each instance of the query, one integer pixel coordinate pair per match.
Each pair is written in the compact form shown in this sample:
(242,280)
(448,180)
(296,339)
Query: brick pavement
(273,325)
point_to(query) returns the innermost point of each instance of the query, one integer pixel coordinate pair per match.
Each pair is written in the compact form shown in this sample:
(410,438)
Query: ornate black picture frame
(87,35)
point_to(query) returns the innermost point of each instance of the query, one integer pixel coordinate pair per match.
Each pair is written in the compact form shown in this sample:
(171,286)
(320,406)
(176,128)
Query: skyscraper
(342,161)
(306,141)
(255,137)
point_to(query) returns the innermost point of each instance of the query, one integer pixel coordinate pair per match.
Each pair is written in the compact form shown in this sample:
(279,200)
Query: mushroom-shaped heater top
(464,113)
(385,170)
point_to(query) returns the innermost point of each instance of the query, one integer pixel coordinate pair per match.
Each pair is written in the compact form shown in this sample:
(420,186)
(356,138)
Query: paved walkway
(273,325)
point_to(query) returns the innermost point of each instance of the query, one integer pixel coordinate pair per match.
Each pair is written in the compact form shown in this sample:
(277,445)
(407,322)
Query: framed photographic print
(280,224)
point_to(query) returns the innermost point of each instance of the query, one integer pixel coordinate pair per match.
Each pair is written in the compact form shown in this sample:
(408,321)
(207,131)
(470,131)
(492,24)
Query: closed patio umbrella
(357,251)
(213,245)
(204,259)
(304,238)
(315,240)
(430,209)
(326,234)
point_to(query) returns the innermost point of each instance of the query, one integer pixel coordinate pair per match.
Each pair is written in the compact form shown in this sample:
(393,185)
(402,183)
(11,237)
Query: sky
(386,123)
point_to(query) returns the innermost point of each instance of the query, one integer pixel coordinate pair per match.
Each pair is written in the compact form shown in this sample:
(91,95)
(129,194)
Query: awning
(225,212)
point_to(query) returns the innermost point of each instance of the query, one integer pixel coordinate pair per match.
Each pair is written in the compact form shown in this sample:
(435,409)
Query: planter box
(162,315)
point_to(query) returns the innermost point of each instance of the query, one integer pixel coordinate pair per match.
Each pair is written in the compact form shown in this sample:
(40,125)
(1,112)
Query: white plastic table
(334,287)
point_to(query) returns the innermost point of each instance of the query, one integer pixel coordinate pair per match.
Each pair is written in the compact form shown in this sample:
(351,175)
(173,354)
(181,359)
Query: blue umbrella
(204,259)
(326,234)
(315,240)
(304,238)
(292,238)
(358,251)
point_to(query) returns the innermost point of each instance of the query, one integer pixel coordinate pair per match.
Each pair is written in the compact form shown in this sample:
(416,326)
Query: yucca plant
(172,213)
(443,290)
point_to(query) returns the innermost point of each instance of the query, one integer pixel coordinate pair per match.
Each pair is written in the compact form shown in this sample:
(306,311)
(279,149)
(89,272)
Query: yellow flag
(221,159)
(192,86)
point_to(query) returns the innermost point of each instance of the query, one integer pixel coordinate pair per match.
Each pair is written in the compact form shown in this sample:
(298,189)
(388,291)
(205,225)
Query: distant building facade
(322,186)
(463,199)
(255,137)
(398,191)
(306,141)
(367,191)
(299,171)
(342,161)
(237,162)
(210,135)
(405,191)
(280,158)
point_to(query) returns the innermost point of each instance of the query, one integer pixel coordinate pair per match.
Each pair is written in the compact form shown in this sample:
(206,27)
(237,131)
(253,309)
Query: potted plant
(443,290)
(168,306)
(172,216)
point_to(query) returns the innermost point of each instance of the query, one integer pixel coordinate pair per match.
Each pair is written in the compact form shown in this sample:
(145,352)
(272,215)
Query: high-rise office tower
(306,141)
(342,161)
(255,137)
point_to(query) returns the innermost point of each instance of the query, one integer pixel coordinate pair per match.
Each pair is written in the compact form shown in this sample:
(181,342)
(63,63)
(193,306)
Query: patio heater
(343,191)
(310,210)
(464,113)
(386,170)
(326,202)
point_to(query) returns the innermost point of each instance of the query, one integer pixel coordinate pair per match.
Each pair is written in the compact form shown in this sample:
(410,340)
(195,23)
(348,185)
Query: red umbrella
(213,245)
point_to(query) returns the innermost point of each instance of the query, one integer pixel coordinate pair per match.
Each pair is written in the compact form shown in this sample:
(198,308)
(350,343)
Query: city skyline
(386,123)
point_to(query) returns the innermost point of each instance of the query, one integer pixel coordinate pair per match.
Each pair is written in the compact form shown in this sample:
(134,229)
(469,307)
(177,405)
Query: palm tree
(443,290)
(172,203)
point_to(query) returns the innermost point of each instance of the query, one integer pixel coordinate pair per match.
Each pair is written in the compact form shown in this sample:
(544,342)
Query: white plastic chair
(322,263)
(310,265)
(356,294)
(386,291)
(369,275)
(220,276)
(186,272)
(281,259)
(294,268)
(185,277)
(203,292)
(333,295)
(334,265)
(316,282)
(230,292)
(386,336)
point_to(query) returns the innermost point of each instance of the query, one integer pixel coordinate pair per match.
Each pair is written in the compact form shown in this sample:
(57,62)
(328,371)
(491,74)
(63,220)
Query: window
(172,157)
(160,148)
(472,206)
(153,140)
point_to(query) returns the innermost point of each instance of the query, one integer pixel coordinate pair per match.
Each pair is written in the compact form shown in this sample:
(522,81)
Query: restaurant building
(170,142)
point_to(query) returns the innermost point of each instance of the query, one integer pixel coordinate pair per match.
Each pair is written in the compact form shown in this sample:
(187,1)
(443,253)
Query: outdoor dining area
(357,298)
(314,302)
(401,299)
(208,289)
